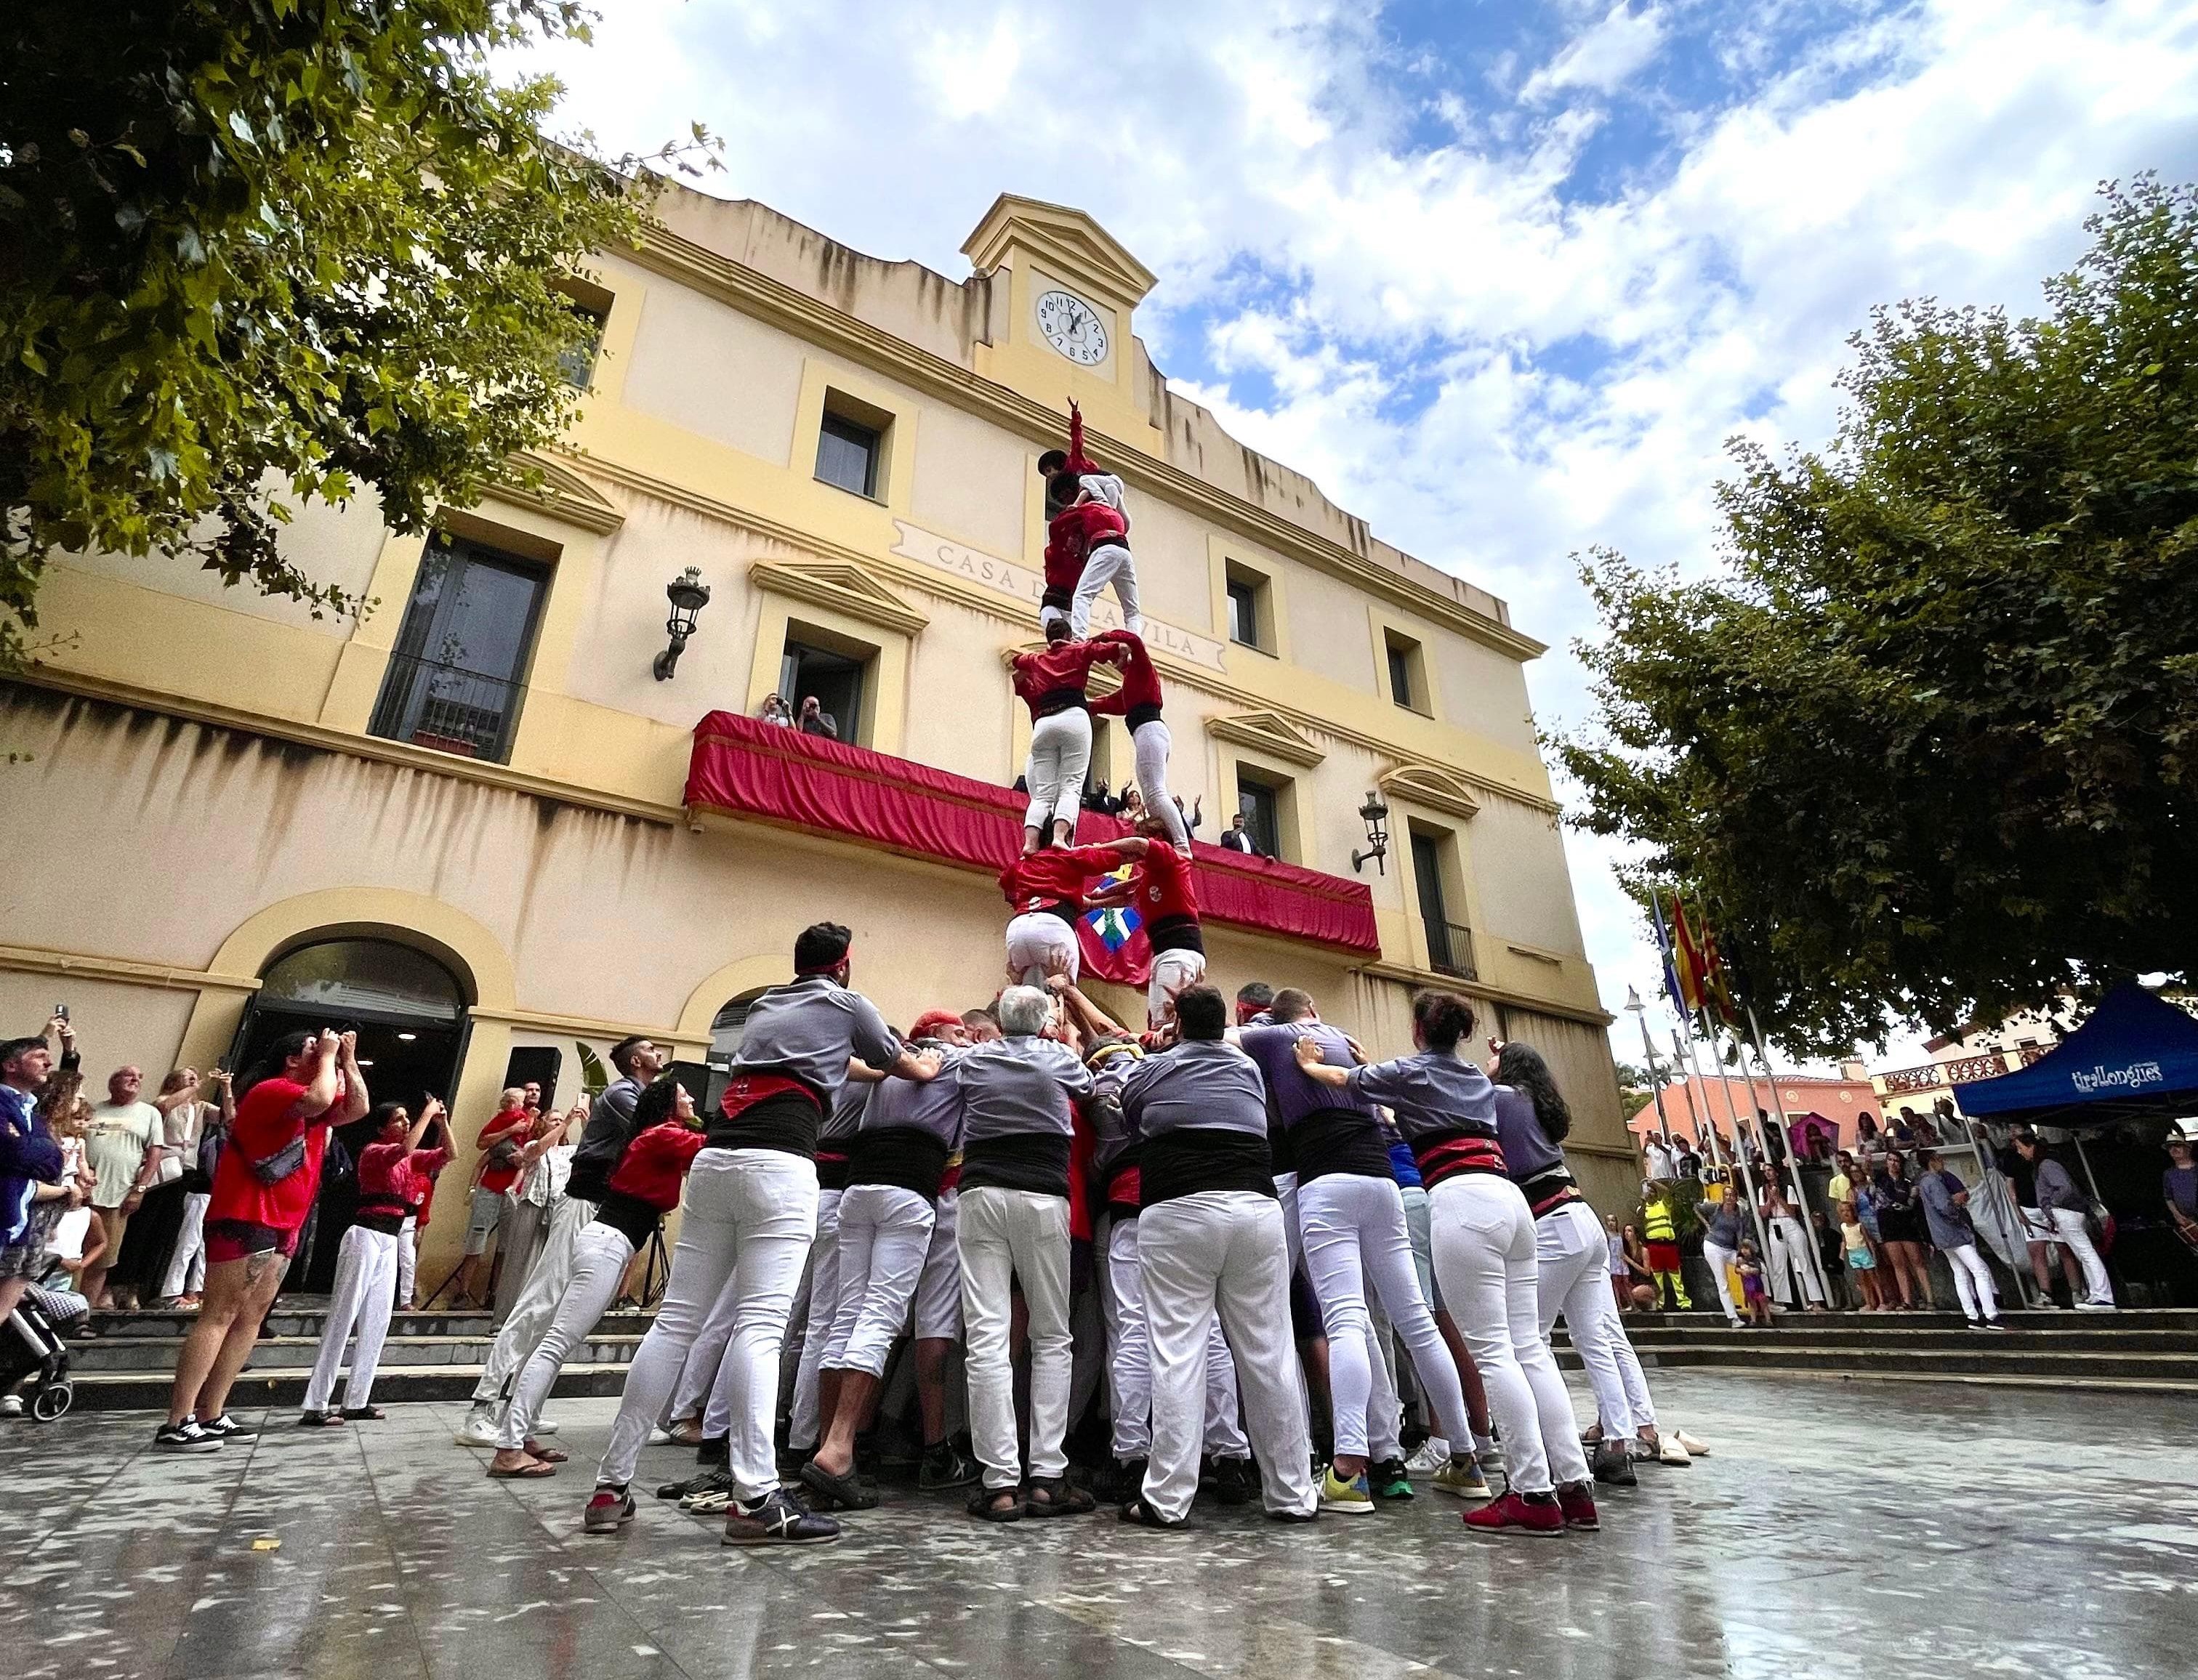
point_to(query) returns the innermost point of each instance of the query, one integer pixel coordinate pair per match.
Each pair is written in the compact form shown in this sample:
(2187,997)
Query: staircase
(428,1355)
(2142,1348)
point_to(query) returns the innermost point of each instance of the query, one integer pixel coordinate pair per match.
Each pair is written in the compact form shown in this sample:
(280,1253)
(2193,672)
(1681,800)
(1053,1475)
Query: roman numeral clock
(1072,326)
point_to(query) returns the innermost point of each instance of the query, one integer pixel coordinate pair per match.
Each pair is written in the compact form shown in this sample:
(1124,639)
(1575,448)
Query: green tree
(1634,1087)
(256,253)
(1926,747)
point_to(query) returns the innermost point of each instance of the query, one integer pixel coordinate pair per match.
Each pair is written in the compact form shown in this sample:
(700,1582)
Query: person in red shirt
(263,1187)
(393,1175)
(1051,685)
(1137,703)
(502,1142)
(1087,537)
(641,1190)
(1167,903)
(1047,889)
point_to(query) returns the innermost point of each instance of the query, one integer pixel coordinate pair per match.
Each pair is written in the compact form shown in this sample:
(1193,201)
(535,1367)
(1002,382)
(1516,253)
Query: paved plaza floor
(1874,1530)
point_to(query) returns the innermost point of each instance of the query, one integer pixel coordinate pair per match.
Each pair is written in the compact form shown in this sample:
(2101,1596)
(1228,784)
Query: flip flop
(526,1473)
(547,1455)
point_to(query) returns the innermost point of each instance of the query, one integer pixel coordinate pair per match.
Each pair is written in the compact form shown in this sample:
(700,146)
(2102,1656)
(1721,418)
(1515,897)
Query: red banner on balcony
(744,767)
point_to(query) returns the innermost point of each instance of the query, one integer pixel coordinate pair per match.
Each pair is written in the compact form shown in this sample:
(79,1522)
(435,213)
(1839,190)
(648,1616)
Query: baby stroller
(31,1346)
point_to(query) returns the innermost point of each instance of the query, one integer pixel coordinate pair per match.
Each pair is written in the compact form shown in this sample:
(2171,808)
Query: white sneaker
(545,1425)
(1433,1454)
(2095,1306)
(479,1430)
(11,1405)
(659,1435)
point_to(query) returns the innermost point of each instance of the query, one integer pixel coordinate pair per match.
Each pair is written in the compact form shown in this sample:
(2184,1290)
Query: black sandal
(1057,1497)
(1144,1516)
(365,1415)
(323,1420)
(981,1504)
(842,1493)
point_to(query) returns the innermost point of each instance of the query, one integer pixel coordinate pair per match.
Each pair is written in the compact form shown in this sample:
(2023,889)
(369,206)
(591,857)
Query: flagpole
(1812,1260)
(1747,1178)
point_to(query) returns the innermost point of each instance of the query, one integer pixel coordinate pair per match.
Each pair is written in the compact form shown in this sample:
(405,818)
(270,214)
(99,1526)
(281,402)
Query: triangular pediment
(1068,240)
(559,491)
(1432,786)
(1268,732)
(842,585)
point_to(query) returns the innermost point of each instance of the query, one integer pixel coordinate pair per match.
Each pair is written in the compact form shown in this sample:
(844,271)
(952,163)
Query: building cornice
(1421,978)
(372,749)
(929,580)
(73,964)
(665,253)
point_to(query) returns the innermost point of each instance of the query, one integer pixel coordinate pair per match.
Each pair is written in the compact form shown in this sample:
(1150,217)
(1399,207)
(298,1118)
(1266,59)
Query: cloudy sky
(1502,278)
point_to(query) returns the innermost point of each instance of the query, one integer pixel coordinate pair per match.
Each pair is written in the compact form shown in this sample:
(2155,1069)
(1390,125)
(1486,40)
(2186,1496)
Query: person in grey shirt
(1017,1123)
(1210,1246)
(1945,1201)
(2063,1204)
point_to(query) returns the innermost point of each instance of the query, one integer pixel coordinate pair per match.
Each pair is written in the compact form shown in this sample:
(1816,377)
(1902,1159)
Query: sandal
(1056,1497)
(528,1472)
(841,1493)
(545,1455)
(982,1504)
(328,1419)
(365,1415)
(1144,1516)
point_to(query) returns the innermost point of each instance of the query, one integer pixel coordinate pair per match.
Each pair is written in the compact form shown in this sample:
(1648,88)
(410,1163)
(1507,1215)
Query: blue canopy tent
(2136,1058)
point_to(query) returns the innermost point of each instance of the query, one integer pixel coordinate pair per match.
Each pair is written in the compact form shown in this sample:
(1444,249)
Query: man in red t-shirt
(263,1187)
(1047,890)
(502,1142)
(1051,685)
(1168,904)
(1137,703)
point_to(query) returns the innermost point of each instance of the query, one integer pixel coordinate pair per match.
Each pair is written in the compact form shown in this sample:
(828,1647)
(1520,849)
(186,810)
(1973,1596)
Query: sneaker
(610,1510)
(659,1436)
(1489,1454)
(1130,1478)
(700,1482)
(1972,1324)
(228,1428)
(1235,1482)
(1351,1499)
(2048,1304)
(1462,1478)
(479,1430)
(688,1432)
(1388,1480)
(544,1426)
(184,1436)
(1993,1324)
(1433,1454)
(1613,1465)
(944,1465)
(11,1405)
(777,1519)
(1514,1511)
(2095,1306)
(1578,1504)
(711,1492)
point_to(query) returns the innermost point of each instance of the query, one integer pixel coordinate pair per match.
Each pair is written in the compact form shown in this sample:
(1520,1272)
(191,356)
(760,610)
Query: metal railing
(1449,950)
(429,703)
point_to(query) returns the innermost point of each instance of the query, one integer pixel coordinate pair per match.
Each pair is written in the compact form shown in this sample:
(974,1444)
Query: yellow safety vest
(1656,1224)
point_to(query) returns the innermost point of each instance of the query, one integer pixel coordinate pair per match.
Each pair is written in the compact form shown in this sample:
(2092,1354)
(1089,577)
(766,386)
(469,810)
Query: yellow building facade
(232,811)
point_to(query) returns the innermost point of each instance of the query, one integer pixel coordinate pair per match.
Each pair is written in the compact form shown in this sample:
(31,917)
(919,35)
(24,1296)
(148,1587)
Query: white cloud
(1601,60)
(1950,149)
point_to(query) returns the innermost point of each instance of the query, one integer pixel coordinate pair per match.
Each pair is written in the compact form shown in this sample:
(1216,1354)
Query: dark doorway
(408,1012)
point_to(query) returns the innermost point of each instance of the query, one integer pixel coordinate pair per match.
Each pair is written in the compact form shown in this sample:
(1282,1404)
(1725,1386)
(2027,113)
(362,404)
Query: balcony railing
(1965,1071)
(1449,950)
(448,708)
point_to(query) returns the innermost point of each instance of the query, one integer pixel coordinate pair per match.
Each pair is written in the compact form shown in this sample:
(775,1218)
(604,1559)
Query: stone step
(2063,1368)
(306,1321)
(283,1385)
(1819,1333)
(2145,1318)
(145,1353)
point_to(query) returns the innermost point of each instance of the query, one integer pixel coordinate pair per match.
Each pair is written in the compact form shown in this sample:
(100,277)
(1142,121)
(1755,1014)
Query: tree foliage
(1928,747)
(256,251)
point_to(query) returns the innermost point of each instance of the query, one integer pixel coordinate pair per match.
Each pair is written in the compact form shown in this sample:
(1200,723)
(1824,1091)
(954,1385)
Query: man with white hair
(1017,1126)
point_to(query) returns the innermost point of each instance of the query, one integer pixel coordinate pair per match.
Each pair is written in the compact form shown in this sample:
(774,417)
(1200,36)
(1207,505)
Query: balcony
(1449,950)
(448,708)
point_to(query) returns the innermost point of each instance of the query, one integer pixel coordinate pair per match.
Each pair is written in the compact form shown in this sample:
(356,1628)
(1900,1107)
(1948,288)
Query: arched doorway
(410,1013)
(725,1029)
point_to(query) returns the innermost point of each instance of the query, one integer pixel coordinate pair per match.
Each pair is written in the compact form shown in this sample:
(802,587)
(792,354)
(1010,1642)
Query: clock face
(1073,326)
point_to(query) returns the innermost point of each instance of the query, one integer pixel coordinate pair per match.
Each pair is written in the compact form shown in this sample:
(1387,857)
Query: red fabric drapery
(745,767)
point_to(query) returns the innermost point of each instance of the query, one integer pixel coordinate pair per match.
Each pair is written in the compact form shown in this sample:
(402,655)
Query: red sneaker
(1578,1504)
(1513,1511)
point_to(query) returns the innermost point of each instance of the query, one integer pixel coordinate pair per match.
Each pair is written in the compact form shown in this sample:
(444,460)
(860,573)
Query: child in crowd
(1862,1265)
(1755,1299)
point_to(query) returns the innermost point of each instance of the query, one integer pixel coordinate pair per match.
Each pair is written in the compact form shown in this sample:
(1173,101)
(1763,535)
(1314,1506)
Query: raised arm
(168,1101)
(430,1110)
(1092,1019)
(1079,461)
(355,1096)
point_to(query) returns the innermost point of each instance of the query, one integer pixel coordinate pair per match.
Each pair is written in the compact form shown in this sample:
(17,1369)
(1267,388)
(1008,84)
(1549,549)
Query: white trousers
(1173,971)
(939,1291)
(1220,1255)
(1107,563)
(1007,1235)
(1789,1260)
(1638,1406)
(1354,1235)
(1060,754)
(1483,1238)
(1129,1361)
(407,1260)
(1572,1278)
(750,1215)
(537,1305)
(2069,1228)
(1973,1282)
(365,1288)
(1717,1259)
(1152,744)
(186,1264)
(885,1235)
(823,1289)
(1041,944)
(600,1257)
